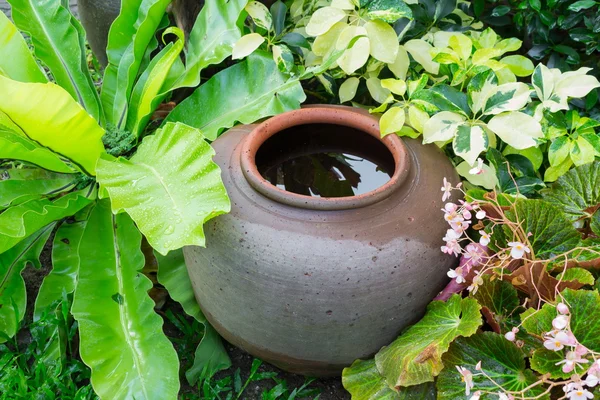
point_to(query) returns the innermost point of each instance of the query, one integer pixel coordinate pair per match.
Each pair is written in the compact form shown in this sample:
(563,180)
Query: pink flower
(562,308)
(560,322)
(477,281)
(457,274)
(579,393)
(473,252)
(467,378)
(511,336)
(571,361)
(447,188)
(557,341)
(476,395)
(518,249)
(480,214)
(484,240)
(478,169)
(466,214)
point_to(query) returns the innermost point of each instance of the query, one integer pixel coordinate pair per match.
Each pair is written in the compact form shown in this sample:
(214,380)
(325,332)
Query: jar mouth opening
(293,134)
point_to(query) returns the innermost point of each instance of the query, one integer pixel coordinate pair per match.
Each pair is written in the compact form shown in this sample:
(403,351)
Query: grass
(39,368)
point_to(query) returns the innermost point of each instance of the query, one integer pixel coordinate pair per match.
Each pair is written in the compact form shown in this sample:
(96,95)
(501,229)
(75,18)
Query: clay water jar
(310,284)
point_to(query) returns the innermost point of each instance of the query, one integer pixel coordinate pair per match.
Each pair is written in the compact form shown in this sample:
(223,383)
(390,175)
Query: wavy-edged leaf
(363,381)
(65,264)
(584,307)
(59,43)
(121,336)
(60,123)
(500,359)
(147,94)
(129,36)
(580,275)
(16,189)
(211,39)
(13,297)
(210,355)
(15,146)
(416,356)
(234,95)
(170,187)
(499,297)
(577,192)
(552,233)
(17,62)
(19,222)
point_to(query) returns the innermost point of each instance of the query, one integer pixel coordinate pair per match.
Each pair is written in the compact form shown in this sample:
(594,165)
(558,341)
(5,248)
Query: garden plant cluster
(90,166)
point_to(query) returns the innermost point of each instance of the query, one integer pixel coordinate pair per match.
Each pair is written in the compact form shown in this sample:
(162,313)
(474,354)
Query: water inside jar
(325,160)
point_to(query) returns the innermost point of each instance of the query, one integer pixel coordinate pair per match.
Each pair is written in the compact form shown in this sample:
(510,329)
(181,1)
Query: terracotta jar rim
(344,116)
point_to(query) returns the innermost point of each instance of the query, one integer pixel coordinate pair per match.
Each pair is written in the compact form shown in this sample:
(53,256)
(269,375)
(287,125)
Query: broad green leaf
(325,44)
(551,232)
(470,141)
(416,356)
(121,337)
(461,44)
(21,221)
(544,361)
(543,82)
(260,15)
(383,40)
(577,192)
(355,57)
(533,154)
(559,150)
(582,151)
(581,5)
(13,297)
(364,382)
(323,19)
(348,89)
(278,12)
(392,120)
(60,123)
(515,173)
(483,86)
(211,39)
(129,36)
(487,179)
(210,355)
(507,97)
(147,92)
(575,84)
(400,65)
(378,92)
(15,190)
(420,50)
(500,298)
(283,57)
(387,10)
(556,171)
(442,127)
(233,95)
(246,45)
(519,65)
(417,118)
(442,97)
(584,307)
(577,274)
(16,62)
(396,86)
(517,129)
(15,146)
(170,187)
(65,265)
(58,41)
(500,359)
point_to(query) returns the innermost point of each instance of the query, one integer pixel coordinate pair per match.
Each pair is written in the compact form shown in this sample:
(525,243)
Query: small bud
(478,366)
(560,322)
(562,308)
(510,336)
